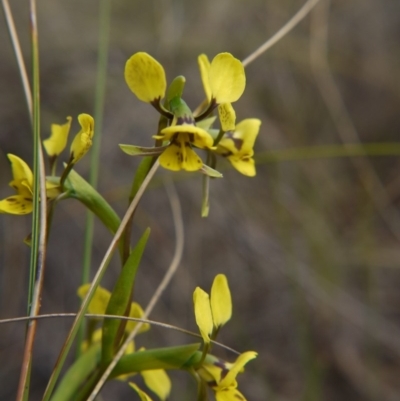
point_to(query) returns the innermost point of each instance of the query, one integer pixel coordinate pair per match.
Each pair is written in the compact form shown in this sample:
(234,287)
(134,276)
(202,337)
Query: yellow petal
(229,394)
(247,130)
(142,395)
(210,373)
(245,165)
(99,302)
(16,204)
(221,302)
(145,77)
(22,176)
(83,139)
(57,141)
(158,382)
(227,116)
(227,78)
(242,139)
(241,361)
(52,190)
(137,312)
(202,312)
(204,66)
(180,156)
(197,136)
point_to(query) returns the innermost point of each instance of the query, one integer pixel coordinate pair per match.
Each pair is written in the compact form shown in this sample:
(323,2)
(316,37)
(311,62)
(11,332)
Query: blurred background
(310,245)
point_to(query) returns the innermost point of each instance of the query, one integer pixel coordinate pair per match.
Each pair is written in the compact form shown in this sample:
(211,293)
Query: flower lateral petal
(145,77)
(179,155)
(16,204)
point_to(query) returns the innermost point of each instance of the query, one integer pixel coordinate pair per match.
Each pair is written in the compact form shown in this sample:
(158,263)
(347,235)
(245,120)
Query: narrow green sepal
(207,170)
(159,358)
(205,205)
(133,150)
(120,300)
(176,88)
(206,124)
(77,374)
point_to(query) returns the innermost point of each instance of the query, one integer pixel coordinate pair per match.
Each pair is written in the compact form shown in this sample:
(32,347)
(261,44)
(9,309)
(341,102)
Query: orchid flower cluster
(181,135)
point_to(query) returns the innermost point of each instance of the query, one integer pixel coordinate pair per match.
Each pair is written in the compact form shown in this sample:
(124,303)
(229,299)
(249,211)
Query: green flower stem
(219,137)
(141,173)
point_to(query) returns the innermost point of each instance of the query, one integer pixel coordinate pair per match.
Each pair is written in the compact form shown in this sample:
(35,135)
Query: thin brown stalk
(301,14)
(117,317)
(18,55)
(178,222)
(40,178)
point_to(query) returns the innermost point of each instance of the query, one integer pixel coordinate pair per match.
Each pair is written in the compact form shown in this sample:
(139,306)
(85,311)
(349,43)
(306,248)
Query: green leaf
(133,150)
(120,300)
(77,374)
(159,358)
(78,188)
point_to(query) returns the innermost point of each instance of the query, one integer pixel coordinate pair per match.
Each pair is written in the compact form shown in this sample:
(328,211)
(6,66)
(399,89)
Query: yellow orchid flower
(237,146)
(57,141)
(145,77)
(221,376)
(22,182)
(212,312)
(83,139)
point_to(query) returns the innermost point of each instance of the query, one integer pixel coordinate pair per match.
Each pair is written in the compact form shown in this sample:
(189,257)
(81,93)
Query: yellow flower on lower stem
(237,146)
(83,139)
(22,182)
(57,141)
(180,154)
(221,376)
(212,312)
